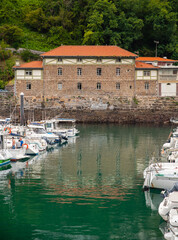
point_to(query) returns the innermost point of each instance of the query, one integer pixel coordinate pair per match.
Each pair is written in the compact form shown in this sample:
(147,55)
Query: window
(98,71)
(59,86)
(118,86)
(118,60)
(168,84)
(146,85)
(79,86)
(118,71)
(146,73)
(59,59)
(174,71)
(130,86)
(28,86)
(99,60)
(79,71)
(59,71)
(28,72)
(79,60)
(98,86)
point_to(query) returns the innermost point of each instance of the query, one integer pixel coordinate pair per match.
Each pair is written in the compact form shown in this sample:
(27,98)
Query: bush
(28,56)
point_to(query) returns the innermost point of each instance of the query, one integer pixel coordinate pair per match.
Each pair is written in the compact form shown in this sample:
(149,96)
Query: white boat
(15,154)
(66,125)
(36,131)
(160,175)
(168,210)
(169,203)
(50,127)
(5,157)
(174,120)
(35,146)
(18,154)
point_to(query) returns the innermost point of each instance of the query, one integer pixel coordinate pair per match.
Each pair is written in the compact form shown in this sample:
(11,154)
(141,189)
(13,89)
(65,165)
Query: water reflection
(153,199)
(88,189)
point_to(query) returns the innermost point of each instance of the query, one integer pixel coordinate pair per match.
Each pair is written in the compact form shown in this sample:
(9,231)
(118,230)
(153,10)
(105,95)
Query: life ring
(7,128)
(25,144)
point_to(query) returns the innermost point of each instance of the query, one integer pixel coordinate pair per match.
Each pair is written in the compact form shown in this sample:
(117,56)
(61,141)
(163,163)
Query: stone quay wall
(120,110)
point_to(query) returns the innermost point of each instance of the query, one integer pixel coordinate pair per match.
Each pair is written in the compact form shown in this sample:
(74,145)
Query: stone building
(93,71)
(78,71)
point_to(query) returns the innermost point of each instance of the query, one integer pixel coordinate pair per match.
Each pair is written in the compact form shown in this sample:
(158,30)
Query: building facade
(72,71)
(146,77)
(167,74)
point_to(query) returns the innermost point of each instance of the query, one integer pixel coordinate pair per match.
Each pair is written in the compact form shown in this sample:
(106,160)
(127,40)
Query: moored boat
(5,158)
(161,175)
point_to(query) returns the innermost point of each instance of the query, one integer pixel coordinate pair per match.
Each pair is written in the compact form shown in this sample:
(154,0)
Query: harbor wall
(157,110)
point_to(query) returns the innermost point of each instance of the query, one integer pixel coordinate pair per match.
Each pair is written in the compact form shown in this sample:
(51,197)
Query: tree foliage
(131,24)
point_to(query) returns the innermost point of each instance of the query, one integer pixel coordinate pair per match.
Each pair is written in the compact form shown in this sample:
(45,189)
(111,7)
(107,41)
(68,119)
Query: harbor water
(90,188)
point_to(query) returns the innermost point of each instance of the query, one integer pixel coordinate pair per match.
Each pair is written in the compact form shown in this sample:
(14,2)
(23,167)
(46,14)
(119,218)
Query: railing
(168,77)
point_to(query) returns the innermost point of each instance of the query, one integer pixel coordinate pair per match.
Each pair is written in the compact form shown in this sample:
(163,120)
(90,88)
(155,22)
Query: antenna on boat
(22,109)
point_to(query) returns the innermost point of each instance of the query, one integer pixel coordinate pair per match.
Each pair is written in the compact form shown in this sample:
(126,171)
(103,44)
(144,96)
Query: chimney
(17,63)
(155,63)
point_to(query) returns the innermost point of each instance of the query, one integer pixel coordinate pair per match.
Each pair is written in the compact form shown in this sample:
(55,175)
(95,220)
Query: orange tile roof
(152,59)
(144,65)
(34,64)
(89,51)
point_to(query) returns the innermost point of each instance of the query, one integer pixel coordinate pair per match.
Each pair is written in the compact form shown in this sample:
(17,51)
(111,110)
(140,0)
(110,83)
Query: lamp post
(157,42)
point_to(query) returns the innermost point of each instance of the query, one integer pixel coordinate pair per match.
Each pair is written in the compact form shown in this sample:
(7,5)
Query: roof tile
(33,64)
(144,65)
(90,51)
(152,59)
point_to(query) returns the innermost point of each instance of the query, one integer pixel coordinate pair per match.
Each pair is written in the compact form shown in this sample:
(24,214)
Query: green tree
(12,35)
(161,25)
(102,24)
(36,20)
(58,36)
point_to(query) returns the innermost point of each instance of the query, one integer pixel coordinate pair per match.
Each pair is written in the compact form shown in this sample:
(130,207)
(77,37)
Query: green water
(88,189)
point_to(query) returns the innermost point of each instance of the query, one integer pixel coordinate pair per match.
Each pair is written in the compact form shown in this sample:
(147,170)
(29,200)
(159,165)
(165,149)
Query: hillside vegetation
(131,24)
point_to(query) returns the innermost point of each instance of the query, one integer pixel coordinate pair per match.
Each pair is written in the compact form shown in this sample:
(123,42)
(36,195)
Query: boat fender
(25,144)
(7,129)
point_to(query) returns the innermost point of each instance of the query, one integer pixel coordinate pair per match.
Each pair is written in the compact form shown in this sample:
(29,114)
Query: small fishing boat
(5,158)
(18,154)
(160,175)
(36,131)
(168,210)
(174,120)
(169,203)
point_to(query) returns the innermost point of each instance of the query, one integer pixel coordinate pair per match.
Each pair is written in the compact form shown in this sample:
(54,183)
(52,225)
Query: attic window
(168,84)
(146,73)
(118,60)
(99,60)
(59,59)
(79,60)
(28,72)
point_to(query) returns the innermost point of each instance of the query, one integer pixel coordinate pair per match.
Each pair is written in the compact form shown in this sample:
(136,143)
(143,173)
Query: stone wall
(107,110)
(151,91)
(89,80)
